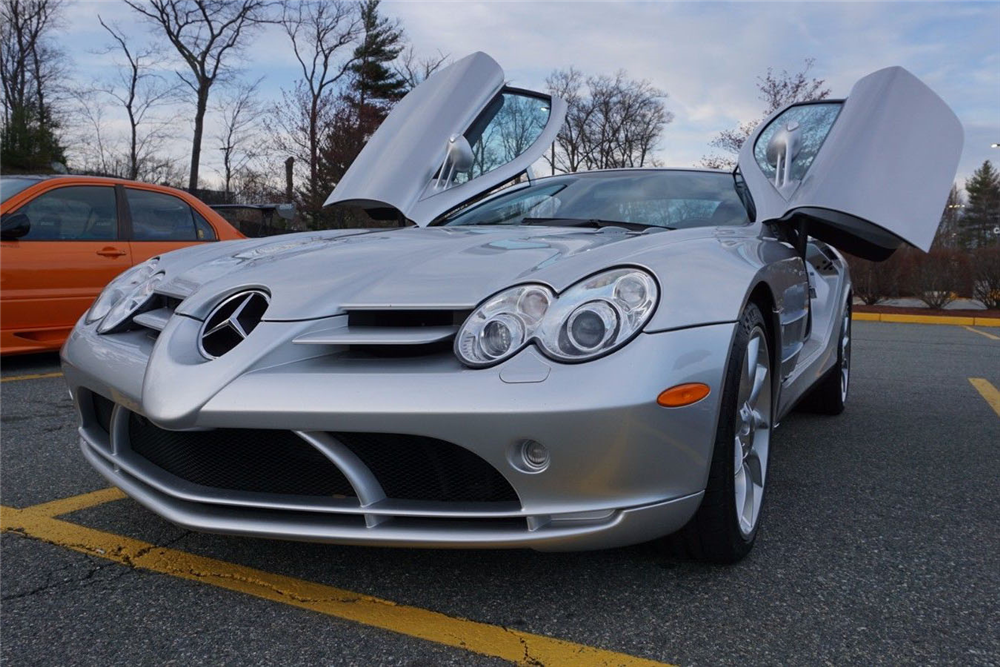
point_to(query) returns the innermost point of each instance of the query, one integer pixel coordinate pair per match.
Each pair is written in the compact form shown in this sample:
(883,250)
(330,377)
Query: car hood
(316,275)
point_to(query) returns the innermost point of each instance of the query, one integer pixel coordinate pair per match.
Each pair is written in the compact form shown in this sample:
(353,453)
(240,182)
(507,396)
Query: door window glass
(812,122)
(505,130)
(78,213)
(205,231)
(160,217)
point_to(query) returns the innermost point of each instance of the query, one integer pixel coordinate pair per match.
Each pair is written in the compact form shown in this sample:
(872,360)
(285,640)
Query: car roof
(46,177)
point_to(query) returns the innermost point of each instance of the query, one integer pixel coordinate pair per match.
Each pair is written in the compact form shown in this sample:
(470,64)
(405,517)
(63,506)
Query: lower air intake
(411,467)
(252,460)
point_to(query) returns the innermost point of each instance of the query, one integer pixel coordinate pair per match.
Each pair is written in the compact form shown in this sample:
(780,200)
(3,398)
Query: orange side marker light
(683,394)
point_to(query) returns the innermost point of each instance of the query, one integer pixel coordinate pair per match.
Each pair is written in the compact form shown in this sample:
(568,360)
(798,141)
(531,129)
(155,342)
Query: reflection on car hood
(318,274)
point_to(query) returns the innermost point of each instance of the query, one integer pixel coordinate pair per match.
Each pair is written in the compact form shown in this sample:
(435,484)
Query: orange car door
(52,274)
(161,223)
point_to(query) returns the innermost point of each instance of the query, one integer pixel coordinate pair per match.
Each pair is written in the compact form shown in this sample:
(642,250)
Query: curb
(927,319)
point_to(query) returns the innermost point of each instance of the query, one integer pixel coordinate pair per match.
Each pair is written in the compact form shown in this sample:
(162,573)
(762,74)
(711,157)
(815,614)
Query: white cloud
(706,56)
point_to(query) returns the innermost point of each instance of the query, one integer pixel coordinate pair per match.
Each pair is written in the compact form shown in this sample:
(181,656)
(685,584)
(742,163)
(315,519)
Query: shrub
(986,276)
(873,282)
(939,277)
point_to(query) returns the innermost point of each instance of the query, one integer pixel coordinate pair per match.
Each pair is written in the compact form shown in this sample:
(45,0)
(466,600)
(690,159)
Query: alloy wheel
(845,354)
(753,432)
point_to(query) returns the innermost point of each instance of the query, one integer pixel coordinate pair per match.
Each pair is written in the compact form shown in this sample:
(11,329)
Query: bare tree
(238,137)
(206,34)
(322,35)
(611,122)
(31,71)
(140,92)
(26,51)
(413,69)
(775,91)
(572,153)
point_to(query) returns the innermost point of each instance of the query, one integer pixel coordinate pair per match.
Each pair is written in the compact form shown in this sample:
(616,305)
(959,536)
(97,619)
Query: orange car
(65,237)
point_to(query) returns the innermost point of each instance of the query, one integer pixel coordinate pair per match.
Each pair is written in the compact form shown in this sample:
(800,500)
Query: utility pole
(289,163)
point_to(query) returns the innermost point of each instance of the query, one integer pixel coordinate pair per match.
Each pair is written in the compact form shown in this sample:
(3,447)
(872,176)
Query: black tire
(714,534)
(829,395)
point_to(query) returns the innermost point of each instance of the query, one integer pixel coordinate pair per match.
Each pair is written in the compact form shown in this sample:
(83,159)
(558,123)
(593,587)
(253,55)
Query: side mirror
(458,158)
(782,150)
(14,226)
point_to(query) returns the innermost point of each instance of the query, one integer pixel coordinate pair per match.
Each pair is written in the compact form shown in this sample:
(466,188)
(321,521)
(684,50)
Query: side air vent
(415,319)
(392,332)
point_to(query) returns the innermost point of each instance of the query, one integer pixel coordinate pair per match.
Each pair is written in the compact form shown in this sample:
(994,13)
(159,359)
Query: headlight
(503,325)
(124,295)
(591,318)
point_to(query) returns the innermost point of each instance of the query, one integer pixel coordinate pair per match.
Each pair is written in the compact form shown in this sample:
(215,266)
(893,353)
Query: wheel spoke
(758,383)
(748,507)
(742,485)
(752,465)
(753,350)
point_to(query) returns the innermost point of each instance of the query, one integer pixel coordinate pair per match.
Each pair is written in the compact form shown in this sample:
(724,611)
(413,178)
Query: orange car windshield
(11,186)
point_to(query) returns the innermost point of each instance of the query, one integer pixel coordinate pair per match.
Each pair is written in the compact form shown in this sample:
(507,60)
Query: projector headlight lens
(590,319)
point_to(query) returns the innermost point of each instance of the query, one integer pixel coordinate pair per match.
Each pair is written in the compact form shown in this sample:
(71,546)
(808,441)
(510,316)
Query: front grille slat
(251,460)
(102,411)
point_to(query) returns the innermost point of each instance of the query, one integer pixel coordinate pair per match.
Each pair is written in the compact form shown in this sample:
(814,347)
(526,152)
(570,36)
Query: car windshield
(11,186)
(670,199)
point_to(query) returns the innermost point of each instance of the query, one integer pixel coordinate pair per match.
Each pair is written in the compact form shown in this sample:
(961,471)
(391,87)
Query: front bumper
(622,469)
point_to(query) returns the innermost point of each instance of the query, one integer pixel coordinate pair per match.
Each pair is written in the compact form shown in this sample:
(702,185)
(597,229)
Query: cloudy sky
(705,55)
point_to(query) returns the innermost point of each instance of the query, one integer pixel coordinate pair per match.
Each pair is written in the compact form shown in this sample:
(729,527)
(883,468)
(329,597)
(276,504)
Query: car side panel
(48,284)
(710,280)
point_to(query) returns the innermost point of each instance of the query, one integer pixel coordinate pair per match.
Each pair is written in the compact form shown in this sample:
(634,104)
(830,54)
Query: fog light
(535,454)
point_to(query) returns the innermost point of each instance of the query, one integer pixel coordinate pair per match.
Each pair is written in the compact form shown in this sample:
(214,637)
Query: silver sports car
(573,362)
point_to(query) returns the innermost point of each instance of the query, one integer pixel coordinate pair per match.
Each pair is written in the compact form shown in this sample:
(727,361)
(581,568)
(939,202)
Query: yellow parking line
(988,392)
(901,318)
(36,376)
(491,640)
(75,503)
(983,333)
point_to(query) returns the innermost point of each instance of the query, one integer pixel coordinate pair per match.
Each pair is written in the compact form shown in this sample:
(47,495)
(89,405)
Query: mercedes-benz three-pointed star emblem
(231,322)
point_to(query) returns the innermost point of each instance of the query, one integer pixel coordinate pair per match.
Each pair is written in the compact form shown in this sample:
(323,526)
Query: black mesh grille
(260,461)
(102,411)
(412,467)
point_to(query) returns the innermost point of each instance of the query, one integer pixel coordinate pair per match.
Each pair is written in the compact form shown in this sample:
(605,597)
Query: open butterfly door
(865,174)
(457,135)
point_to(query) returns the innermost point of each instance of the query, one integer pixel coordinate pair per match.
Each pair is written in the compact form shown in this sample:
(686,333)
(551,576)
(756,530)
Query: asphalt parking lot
(881,545)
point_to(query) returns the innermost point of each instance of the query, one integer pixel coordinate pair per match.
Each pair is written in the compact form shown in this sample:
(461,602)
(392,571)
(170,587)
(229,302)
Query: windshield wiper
(589,222)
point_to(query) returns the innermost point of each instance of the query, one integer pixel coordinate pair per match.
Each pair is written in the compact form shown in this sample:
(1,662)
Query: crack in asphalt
(86,580)
(118,557)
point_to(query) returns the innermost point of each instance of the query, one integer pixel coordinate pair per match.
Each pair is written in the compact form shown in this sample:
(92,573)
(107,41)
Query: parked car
(574,362)
(65,237)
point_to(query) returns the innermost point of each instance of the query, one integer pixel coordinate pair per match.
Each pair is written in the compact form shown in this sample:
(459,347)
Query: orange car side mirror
(14,226)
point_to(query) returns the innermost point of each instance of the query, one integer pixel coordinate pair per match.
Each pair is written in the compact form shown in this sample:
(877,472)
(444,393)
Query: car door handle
(110,252)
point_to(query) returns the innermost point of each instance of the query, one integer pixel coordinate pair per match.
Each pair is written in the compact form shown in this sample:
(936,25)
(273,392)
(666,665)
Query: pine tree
(951,220)
(982,213)
(28,141)
(373,88)
(374,81)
